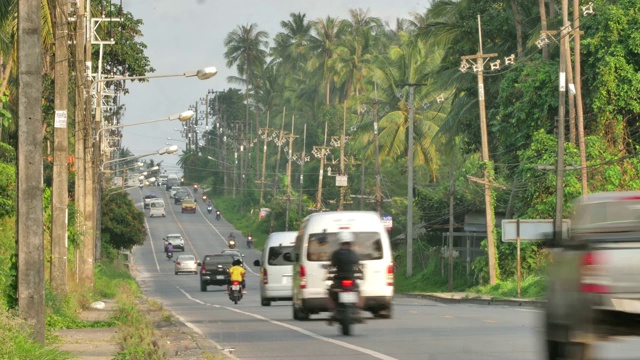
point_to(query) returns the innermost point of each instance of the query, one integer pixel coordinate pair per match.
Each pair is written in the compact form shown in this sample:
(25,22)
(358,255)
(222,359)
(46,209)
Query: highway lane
(420,329)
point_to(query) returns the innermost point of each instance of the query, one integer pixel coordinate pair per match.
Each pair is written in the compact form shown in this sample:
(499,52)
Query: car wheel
(176,273)
(383,314)
(300,314)
(265,301)
(203,287)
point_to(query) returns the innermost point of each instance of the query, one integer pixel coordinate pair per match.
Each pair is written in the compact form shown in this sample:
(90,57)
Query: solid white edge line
(372,353)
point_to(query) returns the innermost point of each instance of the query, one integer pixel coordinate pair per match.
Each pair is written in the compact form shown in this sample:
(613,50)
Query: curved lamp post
(183,116)
(166,150)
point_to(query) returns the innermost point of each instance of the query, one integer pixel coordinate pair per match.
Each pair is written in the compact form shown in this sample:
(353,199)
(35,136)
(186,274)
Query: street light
(183,116)
(202,74)
(166,150)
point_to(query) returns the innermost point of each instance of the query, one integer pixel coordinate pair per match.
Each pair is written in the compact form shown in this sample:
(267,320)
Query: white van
(156,208)
(276,269)
(316,242)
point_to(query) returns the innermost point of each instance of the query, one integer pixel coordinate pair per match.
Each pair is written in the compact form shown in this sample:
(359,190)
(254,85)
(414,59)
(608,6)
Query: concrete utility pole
(488,168)
(265,135)
(321,153)
(303,159)
(30,217)
(86,258)
(562,87)
(410,185)
(342,172)
(60,192)
(377,153)
(80,117)
(578,85)
(290,137)
(276,180)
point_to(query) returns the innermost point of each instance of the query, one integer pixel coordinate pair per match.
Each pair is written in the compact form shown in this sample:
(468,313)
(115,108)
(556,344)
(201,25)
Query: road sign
(341,180)
(387,221)
(532,229)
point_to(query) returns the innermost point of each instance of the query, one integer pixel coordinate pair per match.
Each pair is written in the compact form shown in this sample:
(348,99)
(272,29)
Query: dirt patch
(175,339)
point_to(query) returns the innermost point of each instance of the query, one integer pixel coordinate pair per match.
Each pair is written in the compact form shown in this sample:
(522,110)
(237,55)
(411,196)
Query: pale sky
(185,35)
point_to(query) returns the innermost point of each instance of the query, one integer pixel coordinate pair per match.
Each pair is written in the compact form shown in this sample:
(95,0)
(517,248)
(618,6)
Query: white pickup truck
(594,276)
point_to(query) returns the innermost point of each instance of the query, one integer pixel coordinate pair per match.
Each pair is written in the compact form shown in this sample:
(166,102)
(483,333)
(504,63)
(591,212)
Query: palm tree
(323,43)
(246,50)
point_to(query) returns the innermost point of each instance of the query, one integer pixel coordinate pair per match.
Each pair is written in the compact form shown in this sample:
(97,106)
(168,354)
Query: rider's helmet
(237,262)
(345,237)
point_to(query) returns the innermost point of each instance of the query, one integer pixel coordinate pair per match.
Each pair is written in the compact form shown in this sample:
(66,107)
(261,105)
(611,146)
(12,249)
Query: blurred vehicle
(593,290)
(172,180)
(179,196)
(173,191)
(188,205)
(156,208)
(235,253)
(215,270)
(147,199)
(186,263)
(276,269)
(176,240)
(316,242)
(162,179)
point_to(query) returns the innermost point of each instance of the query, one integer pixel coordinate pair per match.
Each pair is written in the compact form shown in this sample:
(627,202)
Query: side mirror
(256,263)
(174,261)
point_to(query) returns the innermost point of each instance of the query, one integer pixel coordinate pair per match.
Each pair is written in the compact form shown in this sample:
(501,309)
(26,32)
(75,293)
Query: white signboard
(532,229)
(341,180)
(60,119)
(387,221)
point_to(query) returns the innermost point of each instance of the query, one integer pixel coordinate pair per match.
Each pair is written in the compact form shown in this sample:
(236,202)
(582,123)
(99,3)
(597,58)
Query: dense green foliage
(122,223)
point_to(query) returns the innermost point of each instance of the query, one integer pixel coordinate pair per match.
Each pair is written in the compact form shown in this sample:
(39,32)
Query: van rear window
(367,245)
(275,255)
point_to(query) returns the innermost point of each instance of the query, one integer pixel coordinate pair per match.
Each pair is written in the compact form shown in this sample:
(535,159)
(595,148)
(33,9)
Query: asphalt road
(419,329)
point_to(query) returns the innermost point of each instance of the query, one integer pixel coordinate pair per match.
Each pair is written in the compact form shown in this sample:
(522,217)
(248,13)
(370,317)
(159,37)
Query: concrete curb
(443,298)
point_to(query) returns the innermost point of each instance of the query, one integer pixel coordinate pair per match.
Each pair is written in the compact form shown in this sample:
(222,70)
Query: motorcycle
(218,215)
(249,241)
(169,255)
(195,188)
(235,294)
(232,244)
(209,209)
(204,197)
(346,311)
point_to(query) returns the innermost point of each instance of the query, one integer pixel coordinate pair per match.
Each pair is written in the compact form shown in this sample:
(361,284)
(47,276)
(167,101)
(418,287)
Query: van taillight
(303,277)
(203,268)
(390,274)
(178,263)
(265,280)
(592,274)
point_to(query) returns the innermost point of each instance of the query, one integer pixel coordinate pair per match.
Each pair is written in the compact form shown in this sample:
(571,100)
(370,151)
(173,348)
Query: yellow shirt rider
(237,273)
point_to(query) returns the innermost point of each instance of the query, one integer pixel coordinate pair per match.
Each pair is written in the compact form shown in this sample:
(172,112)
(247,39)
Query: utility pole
(452,188)
(321,153)
(265,135)
(342,173)
(60,192)
(578,95)
(562,85)
(488,167)
(276,180)
(410,185)
(290,137)
(377,154)
(303,159)
(80,117)
(30,234)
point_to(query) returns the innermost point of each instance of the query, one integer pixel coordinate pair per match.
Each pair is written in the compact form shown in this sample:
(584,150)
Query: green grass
(531,287)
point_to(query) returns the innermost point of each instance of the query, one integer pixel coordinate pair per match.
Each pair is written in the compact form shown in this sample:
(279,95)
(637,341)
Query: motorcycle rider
(209,206)
(249,240)
(169,250)
(236,273)
(230,239)
(218,215)
(346,263)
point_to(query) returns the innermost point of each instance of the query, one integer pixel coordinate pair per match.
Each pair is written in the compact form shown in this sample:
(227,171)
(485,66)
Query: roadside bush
(17,343)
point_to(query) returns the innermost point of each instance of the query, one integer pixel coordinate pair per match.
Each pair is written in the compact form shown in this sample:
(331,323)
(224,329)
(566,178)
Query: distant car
(186,263)
(188,205)
(215,270)
(179,196)
(173,191)
(235,253)
(147,199)
(176,240)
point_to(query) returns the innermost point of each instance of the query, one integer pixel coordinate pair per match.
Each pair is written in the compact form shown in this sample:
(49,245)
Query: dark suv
(179,196)
(215,270)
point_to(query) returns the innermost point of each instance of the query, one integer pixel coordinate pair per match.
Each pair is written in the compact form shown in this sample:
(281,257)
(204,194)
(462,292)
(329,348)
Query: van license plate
(219,277)
(235,287)
(348,297)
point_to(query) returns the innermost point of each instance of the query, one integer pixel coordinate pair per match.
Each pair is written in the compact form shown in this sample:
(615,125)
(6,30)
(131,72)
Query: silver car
(186,263)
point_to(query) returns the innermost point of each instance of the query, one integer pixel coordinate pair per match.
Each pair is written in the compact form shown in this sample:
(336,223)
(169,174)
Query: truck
(172,180)
(593,289)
